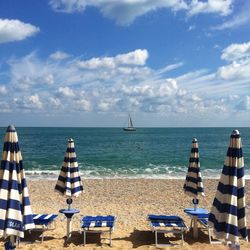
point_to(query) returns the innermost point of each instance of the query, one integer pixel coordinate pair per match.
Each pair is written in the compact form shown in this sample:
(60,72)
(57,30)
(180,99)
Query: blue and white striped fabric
(228,213)
(193,185)
(15,210)
(44,219)
(166,221)
(98,221)
(69,181)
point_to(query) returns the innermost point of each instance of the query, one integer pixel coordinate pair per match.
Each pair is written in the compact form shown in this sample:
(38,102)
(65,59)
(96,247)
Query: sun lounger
(203,220)
(98,224)
(167,224)
(43,222)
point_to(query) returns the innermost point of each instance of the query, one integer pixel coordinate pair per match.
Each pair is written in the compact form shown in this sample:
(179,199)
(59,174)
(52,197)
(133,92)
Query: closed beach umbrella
(15,210)
(69,181)
(193,185)
(228,213)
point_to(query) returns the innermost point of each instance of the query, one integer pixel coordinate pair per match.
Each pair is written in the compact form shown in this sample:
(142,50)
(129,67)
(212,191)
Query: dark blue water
(111,152)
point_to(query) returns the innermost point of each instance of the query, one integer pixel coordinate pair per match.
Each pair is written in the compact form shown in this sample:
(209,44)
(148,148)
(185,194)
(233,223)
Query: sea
(112,153)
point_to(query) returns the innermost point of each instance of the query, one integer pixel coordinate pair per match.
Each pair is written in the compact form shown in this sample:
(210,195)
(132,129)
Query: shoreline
(130,200)
(54,177)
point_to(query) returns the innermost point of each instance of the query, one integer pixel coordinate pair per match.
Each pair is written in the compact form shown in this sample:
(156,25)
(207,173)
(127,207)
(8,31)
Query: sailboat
(130,126)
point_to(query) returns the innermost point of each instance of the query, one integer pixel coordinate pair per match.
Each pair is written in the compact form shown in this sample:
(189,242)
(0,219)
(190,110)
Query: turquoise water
(113,153)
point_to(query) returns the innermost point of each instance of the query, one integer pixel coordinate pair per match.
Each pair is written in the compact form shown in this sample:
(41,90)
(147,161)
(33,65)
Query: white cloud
(105,105)
(221,7)
(66,91)
(104,62)
(238,56)
(68,6)
(15,30)
(238,19)
(235,70)
(59,55)
(3,90)
(54,102)
(136,57)
(124,12)
(244,105)
(127,85)
(236,51)
(191,27)
(35,101)
(49,79)
(30,71)
(84,105)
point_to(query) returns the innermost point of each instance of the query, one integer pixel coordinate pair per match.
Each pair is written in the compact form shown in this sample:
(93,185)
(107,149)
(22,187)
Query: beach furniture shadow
(35,236)
(200,216)
(140,238)
(97,239)
(203,237)
(43,222)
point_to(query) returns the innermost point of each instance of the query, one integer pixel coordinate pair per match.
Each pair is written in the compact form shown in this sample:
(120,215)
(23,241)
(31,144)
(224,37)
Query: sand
(130,200)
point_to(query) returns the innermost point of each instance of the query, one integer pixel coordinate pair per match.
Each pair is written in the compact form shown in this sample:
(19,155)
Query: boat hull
(129,129)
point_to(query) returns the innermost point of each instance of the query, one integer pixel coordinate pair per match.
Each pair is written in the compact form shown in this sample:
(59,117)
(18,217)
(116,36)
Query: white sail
(130,125)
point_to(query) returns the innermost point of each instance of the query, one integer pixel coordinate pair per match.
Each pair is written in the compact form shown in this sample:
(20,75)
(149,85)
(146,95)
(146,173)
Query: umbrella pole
(234,246)
(69,222)
(69,219)
(10,244)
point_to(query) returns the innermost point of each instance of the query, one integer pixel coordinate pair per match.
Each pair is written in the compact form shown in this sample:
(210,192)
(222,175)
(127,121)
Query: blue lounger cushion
(44,219)
(166,220)
(98,221)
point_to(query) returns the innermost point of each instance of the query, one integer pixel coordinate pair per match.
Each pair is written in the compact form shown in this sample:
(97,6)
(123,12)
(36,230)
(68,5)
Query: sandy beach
(130,200)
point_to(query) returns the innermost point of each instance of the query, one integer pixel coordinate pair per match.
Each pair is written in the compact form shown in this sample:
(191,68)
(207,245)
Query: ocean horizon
(109,152)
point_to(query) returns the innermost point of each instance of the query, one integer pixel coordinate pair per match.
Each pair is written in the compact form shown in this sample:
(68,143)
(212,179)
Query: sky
(88,63)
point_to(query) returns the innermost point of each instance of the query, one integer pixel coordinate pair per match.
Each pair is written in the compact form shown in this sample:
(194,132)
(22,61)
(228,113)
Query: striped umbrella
(228,213)
(193,185)
(15,210)
(69,181)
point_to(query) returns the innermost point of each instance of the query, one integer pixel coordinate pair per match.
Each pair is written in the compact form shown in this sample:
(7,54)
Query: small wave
(125,174)
(150,171)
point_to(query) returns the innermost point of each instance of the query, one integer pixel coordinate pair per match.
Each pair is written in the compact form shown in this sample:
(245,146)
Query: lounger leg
(182,238)
(195,228)
(156,240)
(110,239)
(84,237)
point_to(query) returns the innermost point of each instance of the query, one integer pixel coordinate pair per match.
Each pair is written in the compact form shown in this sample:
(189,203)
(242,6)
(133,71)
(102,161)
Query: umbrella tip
(236,132)
(11,128)
(194,140)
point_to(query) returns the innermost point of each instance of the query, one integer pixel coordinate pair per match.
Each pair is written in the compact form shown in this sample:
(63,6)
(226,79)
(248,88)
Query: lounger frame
(203,220)
(174,231)
(163,229)
(100,230)
(48,225)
